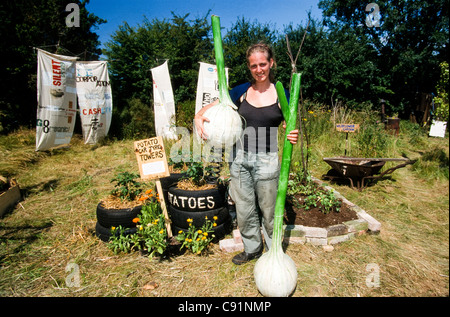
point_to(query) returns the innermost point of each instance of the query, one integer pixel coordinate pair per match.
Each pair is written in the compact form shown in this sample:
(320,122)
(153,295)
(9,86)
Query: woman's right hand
(199,121)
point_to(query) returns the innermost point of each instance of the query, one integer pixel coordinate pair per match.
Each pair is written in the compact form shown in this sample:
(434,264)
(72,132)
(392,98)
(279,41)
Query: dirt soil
(314,217)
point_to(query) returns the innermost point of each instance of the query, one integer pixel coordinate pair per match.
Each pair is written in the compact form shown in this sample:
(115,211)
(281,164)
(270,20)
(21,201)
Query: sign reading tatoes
(151,158)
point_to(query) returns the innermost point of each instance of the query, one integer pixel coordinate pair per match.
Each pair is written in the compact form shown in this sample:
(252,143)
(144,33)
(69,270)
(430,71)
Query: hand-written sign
(151,158)
(347,127)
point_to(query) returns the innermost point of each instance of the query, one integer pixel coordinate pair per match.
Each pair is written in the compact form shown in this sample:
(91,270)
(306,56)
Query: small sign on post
(342,127)
(152,161)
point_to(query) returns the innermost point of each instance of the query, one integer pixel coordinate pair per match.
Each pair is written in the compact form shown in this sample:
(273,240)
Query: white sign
(94,99)
(164,105)
(207,85)
(57,100)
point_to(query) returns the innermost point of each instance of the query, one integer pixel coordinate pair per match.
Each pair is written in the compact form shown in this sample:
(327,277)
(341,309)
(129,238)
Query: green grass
(54,225)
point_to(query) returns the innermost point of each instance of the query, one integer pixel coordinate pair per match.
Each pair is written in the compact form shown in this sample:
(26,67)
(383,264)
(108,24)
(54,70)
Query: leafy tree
(134,51)
(37,23)
(411,41)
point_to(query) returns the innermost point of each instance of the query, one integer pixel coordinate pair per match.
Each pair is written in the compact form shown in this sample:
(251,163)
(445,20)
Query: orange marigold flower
(142,198)
(148,191)
(136,220)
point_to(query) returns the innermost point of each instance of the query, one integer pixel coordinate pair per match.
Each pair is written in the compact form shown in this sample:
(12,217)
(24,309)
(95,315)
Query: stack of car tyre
(108,218)
(199,205)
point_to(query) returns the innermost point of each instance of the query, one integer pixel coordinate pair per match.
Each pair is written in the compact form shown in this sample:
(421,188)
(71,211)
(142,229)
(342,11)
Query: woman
(255,169)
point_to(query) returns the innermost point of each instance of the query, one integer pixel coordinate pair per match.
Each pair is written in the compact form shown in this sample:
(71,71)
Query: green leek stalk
(224,127)
(275,272)
(224,96)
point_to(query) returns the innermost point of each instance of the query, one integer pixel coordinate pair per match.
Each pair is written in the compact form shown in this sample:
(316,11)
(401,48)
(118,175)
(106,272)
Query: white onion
(224,127)
(278,281)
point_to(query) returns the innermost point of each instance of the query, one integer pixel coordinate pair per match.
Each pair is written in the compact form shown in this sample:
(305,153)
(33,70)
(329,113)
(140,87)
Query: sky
(276,12)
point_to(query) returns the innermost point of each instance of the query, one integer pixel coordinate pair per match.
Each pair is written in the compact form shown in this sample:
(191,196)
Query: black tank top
(261,127)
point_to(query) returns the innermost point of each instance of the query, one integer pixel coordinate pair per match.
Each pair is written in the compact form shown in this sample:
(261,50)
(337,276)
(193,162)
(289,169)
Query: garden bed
(315,227)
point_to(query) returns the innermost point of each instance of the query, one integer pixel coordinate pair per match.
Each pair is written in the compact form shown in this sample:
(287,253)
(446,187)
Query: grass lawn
(53,226)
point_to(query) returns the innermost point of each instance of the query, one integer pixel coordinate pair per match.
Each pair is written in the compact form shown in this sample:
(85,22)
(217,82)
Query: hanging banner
(164,104)
(94,99)
(57,100)
(207,85)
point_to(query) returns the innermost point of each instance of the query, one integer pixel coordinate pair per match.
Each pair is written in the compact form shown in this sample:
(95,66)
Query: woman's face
(259,66)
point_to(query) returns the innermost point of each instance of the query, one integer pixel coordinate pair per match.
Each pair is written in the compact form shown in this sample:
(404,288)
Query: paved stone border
(336,233)
(316,235)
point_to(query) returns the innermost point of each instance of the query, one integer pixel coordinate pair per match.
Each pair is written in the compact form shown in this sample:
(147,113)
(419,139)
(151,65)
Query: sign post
(341,127)
(152,161)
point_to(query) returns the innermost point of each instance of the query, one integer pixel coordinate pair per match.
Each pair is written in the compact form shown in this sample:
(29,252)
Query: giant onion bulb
(225,125)
(275,272)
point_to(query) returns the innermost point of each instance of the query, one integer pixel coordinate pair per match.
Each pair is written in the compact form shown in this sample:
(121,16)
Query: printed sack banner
(57,100)
(207,85)
(164,104)
(94,99)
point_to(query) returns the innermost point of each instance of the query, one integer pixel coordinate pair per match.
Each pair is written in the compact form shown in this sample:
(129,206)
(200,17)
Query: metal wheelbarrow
(360,170)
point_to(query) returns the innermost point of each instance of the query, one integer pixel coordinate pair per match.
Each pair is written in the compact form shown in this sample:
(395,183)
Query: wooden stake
(163,207)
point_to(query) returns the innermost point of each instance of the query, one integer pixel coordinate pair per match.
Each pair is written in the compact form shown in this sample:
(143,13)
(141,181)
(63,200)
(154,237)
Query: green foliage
(126,186)
(137,120)
(185,114)
(441,100)
(151,234)
(410,42)
(195,173)
(133,51)
(195,239)
(372,140)
(323,199)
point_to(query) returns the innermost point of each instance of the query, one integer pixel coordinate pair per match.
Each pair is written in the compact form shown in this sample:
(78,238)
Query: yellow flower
(214,224)
(203,238)
(205,234)
(189,220)
(141,228)
(198,239)
(206,217)
(199,231)
(215,217)
(180,232)
(162,231)
(113,228)
(311,112)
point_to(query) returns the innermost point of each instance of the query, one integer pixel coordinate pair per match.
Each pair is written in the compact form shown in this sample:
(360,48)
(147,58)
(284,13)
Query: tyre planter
(105,233)
(117,217)
(219,231)
(169,181)
(179,217)
(197,200)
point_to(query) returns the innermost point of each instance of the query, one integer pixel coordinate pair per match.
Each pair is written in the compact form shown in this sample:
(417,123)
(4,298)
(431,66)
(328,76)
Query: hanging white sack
(207,85)
(57,100)
(164,104)
(438,128)
(94,100)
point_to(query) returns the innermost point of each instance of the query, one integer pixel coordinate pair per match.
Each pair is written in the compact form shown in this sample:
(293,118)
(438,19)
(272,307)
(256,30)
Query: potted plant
(196,199)
(122,205)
